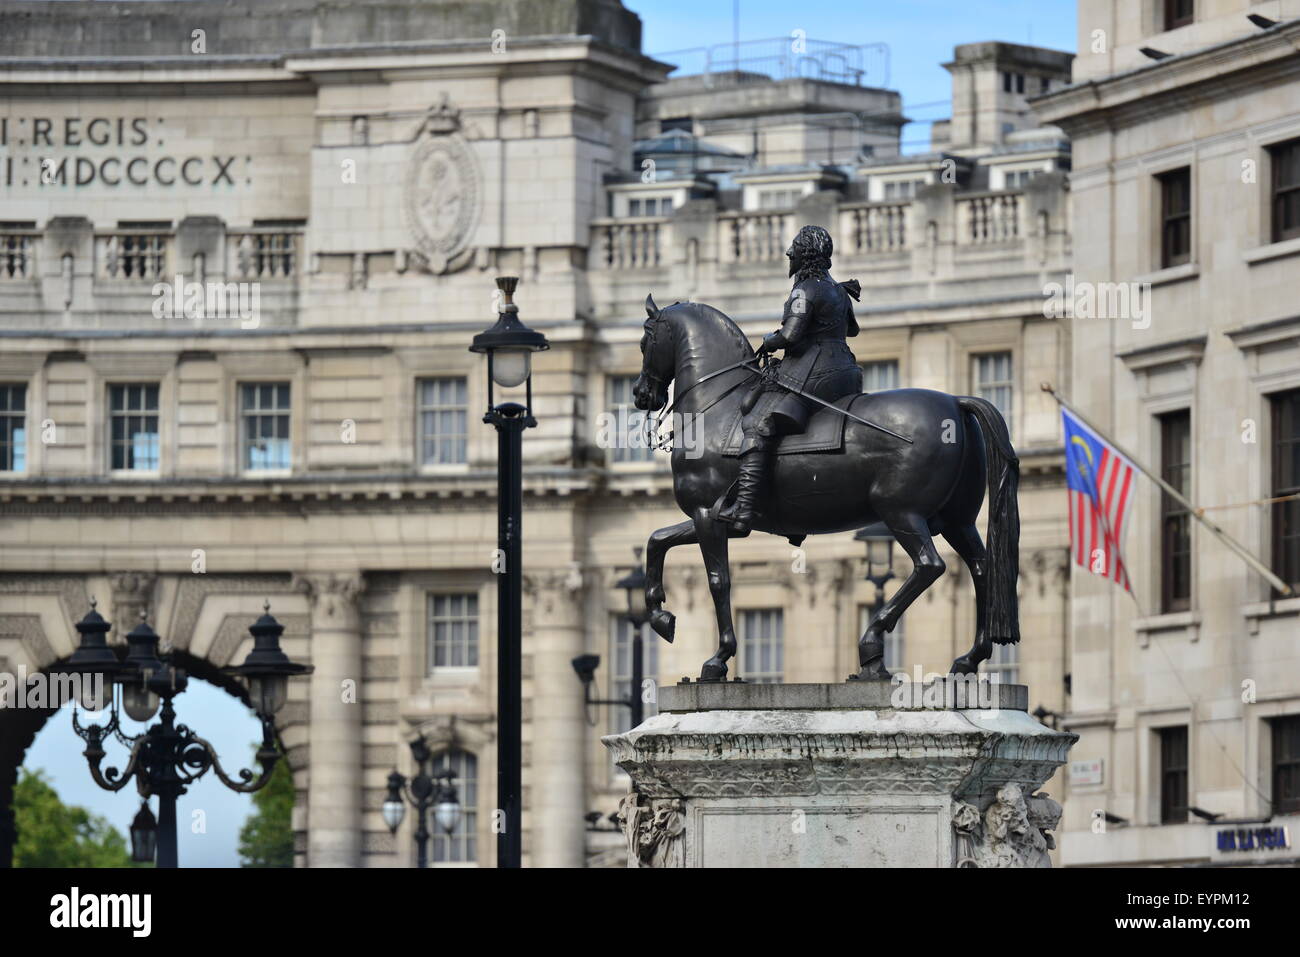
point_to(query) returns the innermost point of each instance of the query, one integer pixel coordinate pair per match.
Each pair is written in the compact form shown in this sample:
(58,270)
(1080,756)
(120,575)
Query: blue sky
(920,34)
(214,715)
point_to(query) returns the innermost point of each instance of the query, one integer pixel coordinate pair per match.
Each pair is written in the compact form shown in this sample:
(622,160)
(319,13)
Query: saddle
(825,432)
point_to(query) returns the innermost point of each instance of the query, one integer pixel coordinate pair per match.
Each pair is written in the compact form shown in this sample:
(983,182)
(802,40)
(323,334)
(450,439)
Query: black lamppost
(166,758)
(880,560)
(633,584)
(509,346)
(436,790)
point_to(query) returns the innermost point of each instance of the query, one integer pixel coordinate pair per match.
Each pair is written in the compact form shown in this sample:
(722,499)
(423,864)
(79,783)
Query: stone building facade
(1187,693)
(366,172)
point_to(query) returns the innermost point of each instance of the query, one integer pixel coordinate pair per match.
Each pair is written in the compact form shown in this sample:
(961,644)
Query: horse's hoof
(713,671)
(664,624)
(874,671)
(963,666)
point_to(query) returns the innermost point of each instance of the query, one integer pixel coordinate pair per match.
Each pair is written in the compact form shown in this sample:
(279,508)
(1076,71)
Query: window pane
(453,631)
(630,440)
(443,421)
(620,670)
(1175,536)
(760,656)
(265,427)
(460,845)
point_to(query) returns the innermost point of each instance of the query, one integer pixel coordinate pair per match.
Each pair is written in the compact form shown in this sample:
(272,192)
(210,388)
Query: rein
(664,444)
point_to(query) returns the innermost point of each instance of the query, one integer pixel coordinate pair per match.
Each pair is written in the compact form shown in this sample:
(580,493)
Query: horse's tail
(1002,619)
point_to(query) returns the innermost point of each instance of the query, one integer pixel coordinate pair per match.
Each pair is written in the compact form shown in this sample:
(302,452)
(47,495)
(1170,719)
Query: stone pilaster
(334,798)
(553,779)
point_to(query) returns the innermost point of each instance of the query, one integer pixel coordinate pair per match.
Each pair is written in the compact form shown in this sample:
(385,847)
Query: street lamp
(166,758)
(633,584)
(880,560)
(144,835)
(509,346)
(436,790)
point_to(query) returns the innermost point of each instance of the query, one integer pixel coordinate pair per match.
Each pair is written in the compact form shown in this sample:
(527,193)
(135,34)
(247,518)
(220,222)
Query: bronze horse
(932,485)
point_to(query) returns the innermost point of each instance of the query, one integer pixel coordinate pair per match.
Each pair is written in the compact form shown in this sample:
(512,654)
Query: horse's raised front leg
(683,533)
(913,533)
(713,545)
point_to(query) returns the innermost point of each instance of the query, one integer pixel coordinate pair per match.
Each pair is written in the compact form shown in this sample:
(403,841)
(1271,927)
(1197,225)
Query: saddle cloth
(825,432)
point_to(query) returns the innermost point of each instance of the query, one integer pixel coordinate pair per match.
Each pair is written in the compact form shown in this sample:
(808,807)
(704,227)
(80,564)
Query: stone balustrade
(132,255)
(17,247)
(263,254)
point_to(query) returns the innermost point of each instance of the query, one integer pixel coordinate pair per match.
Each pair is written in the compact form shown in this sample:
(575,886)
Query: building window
(903,189)
(1175,520)
(1005,663)
(761,655)
(993,381)
(444,417)
(620,670)
(16,241)
(631,439)
(894,644)
(13,428)
(778,198)
(1286,764)
(264,415)
(1286,481)
(461,845)
(1016,179)
(1178,13)
(879,375)
(1175,217)
(453,631)
(1045,84)
(1285,159)
(1173,774)
(133,427)
(1020,83)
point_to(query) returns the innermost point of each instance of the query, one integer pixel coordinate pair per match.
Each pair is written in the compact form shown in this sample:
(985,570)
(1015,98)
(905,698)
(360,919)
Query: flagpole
(1177,496)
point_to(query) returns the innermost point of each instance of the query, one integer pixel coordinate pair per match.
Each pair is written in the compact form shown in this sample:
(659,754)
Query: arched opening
(212,716)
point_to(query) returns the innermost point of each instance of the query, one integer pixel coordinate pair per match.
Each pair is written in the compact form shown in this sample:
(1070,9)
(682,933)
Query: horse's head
(650,391)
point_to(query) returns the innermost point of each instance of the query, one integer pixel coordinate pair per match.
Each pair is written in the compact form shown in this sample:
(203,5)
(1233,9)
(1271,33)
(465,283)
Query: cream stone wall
(349,542)
(1219,341)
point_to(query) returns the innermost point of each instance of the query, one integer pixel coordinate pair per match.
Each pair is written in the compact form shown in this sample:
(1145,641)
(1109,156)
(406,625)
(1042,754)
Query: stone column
(554,779)
(335,771)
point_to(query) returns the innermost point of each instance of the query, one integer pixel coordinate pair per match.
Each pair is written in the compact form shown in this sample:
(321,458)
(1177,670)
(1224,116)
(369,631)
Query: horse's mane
(701,312)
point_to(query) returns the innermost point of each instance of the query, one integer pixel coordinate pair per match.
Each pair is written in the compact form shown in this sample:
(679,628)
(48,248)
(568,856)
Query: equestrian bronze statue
(792,447)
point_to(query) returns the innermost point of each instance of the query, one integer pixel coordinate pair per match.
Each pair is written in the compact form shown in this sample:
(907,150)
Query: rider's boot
(753,470)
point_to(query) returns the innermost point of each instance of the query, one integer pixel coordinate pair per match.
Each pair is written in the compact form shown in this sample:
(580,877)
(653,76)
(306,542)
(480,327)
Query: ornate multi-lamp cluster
(168,757)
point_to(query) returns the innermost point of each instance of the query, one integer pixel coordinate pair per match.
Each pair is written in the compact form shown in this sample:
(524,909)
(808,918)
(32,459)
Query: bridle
(664,443)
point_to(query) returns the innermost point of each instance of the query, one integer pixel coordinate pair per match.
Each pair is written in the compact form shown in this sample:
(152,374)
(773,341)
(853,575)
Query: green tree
(52,834)
(266,839)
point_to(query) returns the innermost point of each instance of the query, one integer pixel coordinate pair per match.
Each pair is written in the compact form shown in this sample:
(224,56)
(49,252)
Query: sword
(844,412)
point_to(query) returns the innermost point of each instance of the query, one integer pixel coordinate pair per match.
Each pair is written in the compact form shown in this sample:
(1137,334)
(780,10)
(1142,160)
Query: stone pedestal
(860,774)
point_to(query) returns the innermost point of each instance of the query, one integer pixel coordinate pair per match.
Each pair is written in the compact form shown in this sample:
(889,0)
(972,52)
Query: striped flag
(1099,480)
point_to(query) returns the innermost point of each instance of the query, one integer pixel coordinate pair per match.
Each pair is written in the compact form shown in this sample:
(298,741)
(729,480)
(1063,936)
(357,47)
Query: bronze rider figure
(817,320)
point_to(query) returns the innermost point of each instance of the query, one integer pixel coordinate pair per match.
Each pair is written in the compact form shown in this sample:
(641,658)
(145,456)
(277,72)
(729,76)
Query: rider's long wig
(815,247)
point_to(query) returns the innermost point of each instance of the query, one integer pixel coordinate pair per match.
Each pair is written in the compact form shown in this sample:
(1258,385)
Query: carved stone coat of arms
(444,192)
